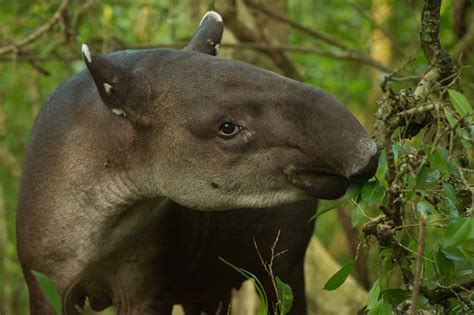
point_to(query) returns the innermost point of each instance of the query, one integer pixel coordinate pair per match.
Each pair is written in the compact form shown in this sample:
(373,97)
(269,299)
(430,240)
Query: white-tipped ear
(113,82)
(213,15)
(209,34)
(86,53)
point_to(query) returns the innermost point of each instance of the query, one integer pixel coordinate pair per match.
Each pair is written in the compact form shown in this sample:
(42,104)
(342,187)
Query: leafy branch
(403,115)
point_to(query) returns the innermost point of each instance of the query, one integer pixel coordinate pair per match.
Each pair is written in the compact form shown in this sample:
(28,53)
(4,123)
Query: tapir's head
(211,133)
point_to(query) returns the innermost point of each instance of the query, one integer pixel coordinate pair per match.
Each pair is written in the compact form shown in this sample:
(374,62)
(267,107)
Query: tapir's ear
(209,34)
(113,82)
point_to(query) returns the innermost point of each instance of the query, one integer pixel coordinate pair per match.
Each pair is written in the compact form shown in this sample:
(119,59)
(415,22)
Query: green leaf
(451,120)
(374,295)
(263,309)
(410,185)
(332,205)
(445,267)
(353,191)
(381,308)
(382,168)
(395,153)
(433,176)
(421,177)
(464,273)
(438,160)
(395,296)
(460,103)
(285,296)
(454,254)
(451,194)
(357,214)
(372,194)
(467,137)
(459,231)
(340,276)
(49,290)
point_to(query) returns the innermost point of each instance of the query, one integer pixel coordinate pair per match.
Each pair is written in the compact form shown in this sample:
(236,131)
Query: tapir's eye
(228,130)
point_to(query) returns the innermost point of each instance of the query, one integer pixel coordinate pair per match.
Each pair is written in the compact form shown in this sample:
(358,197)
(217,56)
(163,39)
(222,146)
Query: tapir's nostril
(368,170)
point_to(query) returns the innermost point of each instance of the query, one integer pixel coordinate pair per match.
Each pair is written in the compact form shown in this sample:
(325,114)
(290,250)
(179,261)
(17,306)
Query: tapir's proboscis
(145,168)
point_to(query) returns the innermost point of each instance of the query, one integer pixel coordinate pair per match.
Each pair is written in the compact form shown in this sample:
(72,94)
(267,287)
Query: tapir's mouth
(318,183)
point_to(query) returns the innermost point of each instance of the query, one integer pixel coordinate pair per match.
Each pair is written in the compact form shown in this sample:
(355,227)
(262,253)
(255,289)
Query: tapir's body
(124,156)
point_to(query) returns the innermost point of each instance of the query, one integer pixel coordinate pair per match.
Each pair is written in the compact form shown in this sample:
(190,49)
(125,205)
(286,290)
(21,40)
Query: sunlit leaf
(374,295)
(382,168)
(340,276)
(380,308)
(460,103)
(459,231)
(285,296)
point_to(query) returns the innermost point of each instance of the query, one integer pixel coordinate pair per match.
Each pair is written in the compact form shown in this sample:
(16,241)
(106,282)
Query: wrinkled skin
(125,156)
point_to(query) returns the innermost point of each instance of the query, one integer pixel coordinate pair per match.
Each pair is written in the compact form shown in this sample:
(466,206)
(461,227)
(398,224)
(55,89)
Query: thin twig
(243,45)
(15,47)
(417,110)
(349,52)
(269,266)
(313,33)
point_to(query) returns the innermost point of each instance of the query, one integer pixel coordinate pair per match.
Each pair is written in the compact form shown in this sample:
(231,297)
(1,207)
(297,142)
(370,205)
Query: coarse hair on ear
(208,35)
(111,80)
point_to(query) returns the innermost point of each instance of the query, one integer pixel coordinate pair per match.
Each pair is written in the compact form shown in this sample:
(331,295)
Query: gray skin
(124,154)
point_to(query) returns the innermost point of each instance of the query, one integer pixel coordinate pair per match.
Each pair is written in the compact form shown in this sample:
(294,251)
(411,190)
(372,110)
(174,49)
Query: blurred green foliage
(26,81)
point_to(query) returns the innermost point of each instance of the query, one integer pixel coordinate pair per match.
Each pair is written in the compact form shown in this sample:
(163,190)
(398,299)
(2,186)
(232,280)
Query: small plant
(282,290)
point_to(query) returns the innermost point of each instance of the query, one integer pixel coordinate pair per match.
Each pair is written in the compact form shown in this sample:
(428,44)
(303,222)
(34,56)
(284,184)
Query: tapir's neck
(119,208)
(112,193)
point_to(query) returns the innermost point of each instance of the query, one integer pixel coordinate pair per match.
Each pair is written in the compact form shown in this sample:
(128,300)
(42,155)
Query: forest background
(366,52)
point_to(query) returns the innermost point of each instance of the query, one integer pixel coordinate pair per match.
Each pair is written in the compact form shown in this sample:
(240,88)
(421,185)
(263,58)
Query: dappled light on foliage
(404,240)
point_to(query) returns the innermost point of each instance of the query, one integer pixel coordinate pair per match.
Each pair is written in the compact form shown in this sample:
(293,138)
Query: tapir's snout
(367,171)
(325,183)
(362,163)
(338,153)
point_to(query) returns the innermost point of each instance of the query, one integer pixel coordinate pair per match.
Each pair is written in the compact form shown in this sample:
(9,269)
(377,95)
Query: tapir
(147,167)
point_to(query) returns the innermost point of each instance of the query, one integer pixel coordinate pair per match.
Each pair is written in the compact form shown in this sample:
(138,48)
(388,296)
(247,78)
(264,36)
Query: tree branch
(440,63)
(243,45)
(247,35)
(393,109)
(15,47)
(349,52)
